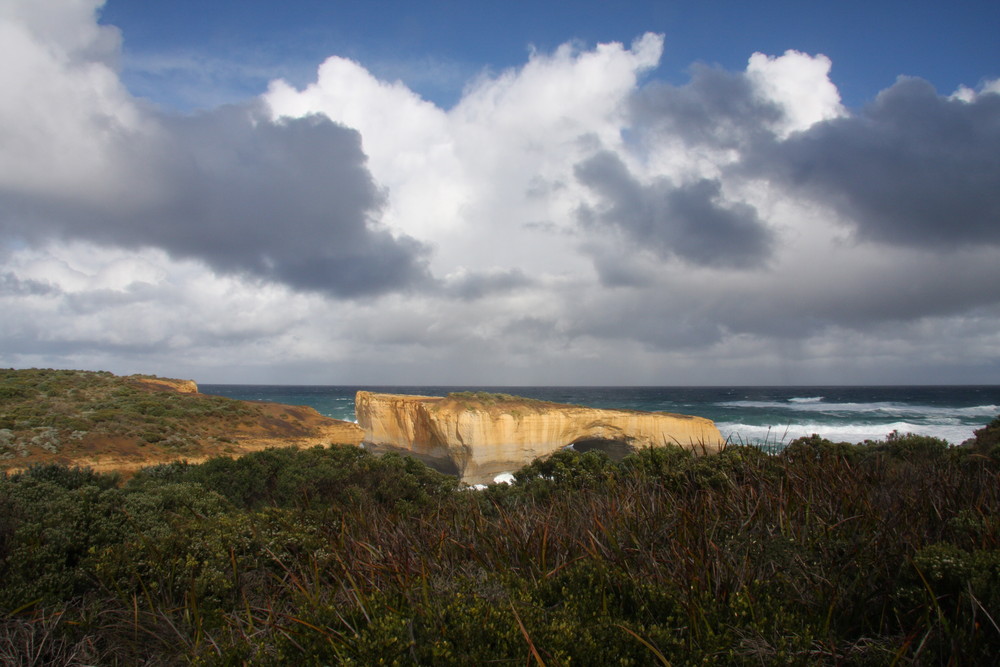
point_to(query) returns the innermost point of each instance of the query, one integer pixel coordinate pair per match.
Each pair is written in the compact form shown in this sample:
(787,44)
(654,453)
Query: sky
(502,193)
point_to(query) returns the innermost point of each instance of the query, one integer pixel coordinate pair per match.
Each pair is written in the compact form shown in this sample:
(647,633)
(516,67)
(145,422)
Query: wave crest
(782,434)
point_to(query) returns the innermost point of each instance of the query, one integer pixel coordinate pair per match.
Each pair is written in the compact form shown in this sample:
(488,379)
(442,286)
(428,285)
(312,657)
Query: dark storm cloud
(690,220)
(11,285)
(289,201)
(717,107)
(655,317)
(913,168)
(617,267)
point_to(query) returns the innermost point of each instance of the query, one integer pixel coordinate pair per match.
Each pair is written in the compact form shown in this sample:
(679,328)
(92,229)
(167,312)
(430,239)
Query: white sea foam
(504,478)
(805,399)
(817,404)
(782,434)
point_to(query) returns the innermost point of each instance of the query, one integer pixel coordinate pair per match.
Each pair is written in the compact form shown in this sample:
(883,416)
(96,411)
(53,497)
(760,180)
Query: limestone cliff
(479,436)
(165,384)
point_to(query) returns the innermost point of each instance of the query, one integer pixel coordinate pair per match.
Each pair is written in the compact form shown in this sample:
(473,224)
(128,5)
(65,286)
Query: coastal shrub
(48,639)
(814,446)
(825,554)
(65,477)
(986,440)
(566,469)
(43,408)
(912,447)
(486,397)
(952,596)
(291,477)
(657,462)
(206,558)
(161,473)
(49,533)
(13,391)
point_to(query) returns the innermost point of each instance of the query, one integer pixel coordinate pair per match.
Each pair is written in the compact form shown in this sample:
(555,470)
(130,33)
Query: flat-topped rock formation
(478,436)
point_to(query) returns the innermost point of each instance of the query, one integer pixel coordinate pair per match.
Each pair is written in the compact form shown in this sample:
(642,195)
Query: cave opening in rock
(615,449)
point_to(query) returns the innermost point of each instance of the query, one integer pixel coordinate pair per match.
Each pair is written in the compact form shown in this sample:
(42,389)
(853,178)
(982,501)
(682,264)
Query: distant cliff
(164,384)
(478,436)
(107,422)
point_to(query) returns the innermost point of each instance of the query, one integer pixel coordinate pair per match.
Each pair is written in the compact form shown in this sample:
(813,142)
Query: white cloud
(800,84)
(966,94)
(64,113)
(289,201)
(502,158)
(578,224)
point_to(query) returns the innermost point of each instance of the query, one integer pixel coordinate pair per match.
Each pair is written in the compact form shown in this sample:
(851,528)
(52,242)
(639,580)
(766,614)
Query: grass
(44,409)
(489,399)
(826,553)
(472,400)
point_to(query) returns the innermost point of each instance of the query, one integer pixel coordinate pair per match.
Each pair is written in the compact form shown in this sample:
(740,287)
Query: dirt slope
(113,423)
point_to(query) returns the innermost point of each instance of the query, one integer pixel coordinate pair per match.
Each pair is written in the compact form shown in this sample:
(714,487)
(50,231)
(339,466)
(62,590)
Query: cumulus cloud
(496,164)
(290,201)
(564,221)
(689,220)
(63,106)
(800,84)
(129,311)
(913,168)
(717,108)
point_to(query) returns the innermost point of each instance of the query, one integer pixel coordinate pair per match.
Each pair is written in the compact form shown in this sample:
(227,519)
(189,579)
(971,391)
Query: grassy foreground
(883,553)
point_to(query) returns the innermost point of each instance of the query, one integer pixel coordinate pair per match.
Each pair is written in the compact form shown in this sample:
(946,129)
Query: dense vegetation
(50,410)
(486,397)
(490,399)
(881,553)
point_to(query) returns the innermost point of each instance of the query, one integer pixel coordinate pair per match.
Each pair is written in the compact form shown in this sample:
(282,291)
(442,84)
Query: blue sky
(435,47)
(688,193)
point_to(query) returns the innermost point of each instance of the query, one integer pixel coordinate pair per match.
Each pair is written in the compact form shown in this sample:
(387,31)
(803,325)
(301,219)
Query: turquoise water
(751,415)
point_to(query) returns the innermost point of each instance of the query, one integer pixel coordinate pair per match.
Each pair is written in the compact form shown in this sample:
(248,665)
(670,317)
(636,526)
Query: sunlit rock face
(478,436)
(166,384)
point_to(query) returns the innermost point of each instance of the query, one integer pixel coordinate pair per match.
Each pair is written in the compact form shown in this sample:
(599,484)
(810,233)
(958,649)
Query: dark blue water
(750,415)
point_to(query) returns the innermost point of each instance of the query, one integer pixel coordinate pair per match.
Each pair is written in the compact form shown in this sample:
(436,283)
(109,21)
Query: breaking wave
(884,408)
(782,434)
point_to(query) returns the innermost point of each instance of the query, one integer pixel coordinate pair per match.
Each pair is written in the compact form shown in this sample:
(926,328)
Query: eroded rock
(165,384)
(478,436)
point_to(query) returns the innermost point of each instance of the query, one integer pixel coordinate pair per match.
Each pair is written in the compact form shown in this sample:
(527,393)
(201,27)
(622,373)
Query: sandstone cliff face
(477,439)
(166,384)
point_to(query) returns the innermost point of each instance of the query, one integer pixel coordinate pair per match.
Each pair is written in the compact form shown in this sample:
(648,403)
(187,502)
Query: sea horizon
(763,415)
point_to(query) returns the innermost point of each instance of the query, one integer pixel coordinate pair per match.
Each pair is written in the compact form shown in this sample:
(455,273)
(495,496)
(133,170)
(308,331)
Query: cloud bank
(288,201)
(569,221)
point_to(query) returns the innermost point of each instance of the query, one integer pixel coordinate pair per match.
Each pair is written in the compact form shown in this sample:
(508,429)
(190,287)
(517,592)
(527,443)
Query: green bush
(50,530)
(881,553)
(953,596)
(292,477)
(78,401)
(986,440)
(911,447)
(821,448)
(567,469)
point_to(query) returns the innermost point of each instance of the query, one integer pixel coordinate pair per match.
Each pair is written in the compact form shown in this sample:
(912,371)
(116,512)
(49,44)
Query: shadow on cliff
(446,466)
(616,450)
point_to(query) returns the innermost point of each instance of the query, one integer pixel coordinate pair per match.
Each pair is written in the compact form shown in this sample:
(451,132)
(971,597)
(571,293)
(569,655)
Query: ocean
(768,416)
